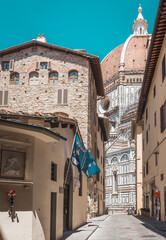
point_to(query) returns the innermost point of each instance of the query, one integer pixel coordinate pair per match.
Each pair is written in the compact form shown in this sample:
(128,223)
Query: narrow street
(122,226)
(117,227)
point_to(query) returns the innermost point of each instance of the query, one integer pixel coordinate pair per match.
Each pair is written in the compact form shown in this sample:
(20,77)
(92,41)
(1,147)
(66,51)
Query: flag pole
(70,156)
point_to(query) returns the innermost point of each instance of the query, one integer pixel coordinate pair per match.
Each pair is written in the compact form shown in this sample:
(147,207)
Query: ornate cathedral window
(125,157)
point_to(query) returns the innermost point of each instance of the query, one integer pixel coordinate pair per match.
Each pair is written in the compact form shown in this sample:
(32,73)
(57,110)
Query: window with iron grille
(53,171)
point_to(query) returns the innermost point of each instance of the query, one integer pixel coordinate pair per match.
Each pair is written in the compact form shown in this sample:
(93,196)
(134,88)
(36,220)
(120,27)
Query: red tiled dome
(132,55)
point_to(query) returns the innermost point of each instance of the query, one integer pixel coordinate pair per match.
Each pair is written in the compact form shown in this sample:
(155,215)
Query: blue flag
(82,158)
(90,167)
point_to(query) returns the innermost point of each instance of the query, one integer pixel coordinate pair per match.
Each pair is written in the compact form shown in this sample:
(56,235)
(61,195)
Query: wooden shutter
(49,65)
(164,116)
(6,98)
(163,68)
(37,65)
(59,101)
(1,97)
(65,96)
(161,119)
(11,65)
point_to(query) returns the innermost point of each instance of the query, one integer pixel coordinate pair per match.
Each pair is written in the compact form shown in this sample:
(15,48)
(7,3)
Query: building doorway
(68,196)
(53,216)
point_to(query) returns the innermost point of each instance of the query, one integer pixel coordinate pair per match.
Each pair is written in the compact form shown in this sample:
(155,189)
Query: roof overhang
(153,55)
(39,132)
(93,60)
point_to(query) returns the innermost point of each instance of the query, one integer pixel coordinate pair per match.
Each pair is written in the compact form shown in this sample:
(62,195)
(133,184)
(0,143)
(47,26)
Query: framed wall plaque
(12,164)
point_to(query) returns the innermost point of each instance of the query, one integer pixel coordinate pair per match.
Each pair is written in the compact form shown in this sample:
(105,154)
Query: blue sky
(97,26)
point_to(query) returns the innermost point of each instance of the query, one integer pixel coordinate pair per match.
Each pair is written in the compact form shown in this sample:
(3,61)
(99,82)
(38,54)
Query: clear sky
(97,26)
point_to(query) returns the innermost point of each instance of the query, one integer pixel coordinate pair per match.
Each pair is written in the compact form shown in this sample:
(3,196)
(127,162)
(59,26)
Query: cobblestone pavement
(126,227)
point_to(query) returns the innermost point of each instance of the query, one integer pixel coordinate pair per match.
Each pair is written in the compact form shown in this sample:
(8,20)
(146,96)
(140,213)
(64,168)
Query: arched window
(125,157)
(53,78)
(140,30)
(73,76)
(114,159)
(33,78)
(14,79)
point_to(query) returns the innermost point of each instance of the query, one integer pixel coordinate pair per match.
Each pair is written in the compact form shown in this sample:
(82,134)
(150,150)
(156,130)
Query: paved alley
(117,227)
(127,227)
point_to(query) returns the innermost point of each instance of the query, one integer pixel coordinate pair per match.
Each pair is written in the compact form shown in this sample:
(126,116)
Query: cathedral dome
(130,56)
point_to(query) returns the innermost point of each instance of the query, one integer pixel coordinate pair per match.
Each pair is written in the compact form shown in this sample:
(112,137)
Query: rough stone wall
(40,96)
(92,115)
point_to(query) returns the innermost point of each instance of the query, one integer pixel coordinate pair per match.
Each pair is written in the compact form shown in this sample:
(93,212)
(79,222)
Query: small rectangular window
(163,117)
(163,69)
(59,96)
(147,168)
(65,96)
(156,160)
(37,65)
(43,65)
(5,66)
(11,65)
(3,98)
(97,153)
(98,177)
(62,96)
(146,114)
(155,119)
(154,91)
(80,189)
(146,136)
(162,177)
(53,171)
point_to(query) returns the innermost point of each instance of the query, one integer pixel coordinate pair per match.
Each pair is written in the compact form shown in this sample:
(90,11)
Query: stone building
(123,70)
(38,83)
(151,121)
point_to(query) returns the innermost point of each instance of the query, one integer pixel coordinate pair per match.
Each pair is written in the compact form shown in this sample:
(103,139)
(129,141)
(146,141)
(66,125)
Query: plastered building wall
(156,139)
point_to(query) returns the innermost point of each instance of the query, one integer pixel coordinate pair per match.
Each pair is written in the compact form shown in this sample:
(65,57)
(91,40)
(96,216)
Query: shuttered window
(37,65)
(49,65)
(62,96)
(11,65)
(163,117)
(163,69)
(59,96)
(3,98)
(65,92)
